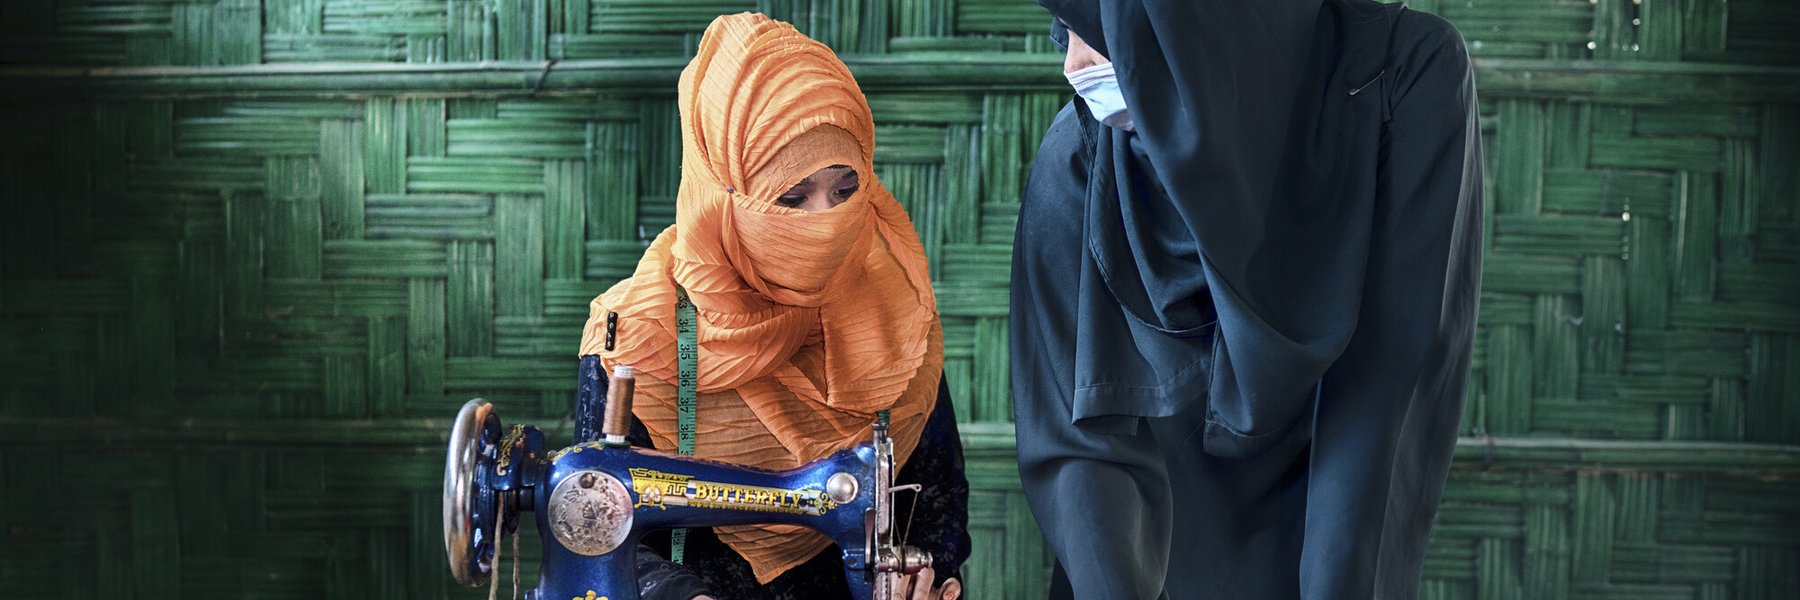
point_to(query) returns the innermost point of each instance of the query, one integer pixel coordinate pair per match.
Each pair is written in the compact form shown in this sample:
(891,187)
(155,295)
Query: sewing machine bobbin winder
(595,499)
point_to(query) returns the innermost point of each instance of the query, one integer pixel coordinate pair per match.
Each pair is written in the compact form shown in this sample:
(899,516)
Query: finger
(902,586)
(922,584)
(952,589)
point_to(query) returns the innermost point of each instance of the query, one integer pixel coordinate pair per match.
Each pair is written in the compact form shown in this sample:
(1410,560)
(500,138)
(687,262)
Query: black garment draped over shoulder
(1268,320)
(940,521)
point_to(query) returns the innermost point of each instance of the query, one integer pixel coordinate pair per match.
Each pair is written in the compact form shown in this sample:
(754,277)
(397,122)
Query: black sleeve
(940,523)
(663,579)
(658,578)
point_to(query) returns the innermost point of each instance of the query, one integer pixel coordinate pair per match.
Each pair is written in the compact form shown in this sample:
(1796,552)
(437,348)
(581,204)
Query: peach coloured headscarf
(809,323)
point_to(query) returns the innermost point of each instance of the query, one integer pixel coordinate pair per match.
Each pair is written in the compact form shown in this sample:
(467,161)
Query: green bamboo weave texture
(255,253)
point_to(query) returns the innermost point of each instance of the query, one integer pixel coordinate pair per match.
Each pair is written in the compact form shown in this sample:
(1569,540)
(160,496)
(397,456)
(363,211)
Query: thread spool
(620,388)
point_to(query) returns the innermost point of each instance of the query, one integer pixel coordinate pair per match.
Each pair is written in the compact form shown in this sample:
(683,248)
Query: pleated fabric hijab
(809,323)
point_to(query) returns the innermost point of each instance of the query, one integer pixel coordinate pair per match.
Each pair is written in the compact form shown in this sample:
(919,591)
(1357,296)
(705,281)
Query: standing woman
(814,310)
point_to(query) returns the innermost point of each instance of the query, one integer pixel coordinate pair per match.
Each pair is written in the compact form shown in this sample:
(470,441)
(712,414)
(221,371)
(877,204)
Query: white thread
(499,527)
(515,563)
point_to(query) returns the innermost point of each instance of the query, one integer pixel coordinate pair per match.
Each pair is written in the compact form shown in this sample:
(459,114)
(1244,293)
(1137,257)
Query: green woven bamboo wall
(254,253)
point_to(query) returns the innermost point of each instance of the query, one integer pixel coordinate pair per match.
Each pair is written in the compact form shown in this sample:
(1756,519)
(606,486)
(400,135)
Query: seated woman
(815,316)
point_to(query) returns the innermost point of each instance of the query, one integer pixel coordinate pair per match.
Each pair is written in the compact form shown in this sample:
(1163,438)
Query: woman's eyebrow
(809,178)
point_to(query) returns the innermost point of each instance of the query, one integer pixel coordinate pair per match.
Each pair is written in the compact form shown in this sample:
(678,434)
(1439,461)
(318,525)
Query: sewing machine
(594,500)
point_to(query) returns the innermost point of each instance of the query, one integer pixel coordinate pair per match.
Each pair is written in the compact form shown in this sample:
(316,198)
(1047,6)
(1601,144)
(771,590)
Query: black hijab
(1255,261)
(1251,386)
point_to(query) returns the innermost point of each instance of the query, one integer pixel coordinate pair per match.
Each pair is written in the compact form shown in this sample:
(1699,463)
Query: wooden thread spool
(620,388)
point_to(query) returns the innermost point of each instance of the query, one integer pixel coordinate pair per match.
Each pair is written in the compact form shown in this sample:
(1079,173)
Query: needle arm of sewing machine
(668,490)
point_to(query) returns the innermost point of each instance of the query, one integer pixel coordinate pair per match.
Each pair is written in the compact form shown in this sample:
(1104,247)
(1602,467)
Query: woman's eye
(846,192)
(790,201)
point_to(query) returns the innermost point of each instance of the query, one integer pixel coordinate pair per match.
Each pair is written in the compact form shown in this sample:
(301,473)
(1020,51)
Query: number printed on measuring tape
(687,382)
(687,354)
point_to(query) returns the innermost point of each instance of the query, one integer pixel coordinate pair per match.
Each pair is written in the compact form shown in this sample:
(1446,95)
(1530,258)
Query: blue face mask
(1099,86)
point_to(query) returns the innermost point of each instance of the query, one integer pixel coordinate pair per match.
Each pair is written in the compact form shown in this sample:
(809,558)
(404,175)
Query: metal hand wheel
(469,503)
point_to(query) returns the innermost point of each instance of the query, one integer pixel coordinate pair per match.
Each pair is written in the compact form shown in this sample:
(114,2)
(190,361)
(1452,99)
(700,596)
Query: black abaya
(1245,382)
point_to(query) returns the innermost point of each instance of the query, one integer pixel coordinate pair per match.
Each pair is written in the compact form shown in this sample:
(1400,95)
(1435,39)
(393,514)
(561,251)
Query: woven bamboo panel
(243,289)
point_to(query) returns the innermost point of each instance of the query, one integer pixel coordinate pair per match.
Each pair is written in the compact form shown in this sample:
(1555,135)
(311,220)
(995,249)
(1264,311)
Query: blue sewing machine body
(595,500)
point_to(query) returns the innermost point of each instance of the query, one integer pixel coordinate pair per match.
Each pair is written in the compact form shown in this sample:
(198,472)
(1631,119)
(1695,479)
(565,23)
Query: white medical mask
(1099,86)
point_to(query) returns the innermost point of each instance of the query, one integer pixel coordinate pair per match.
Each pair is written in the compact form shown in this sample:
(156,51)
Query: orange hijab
(809,323)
